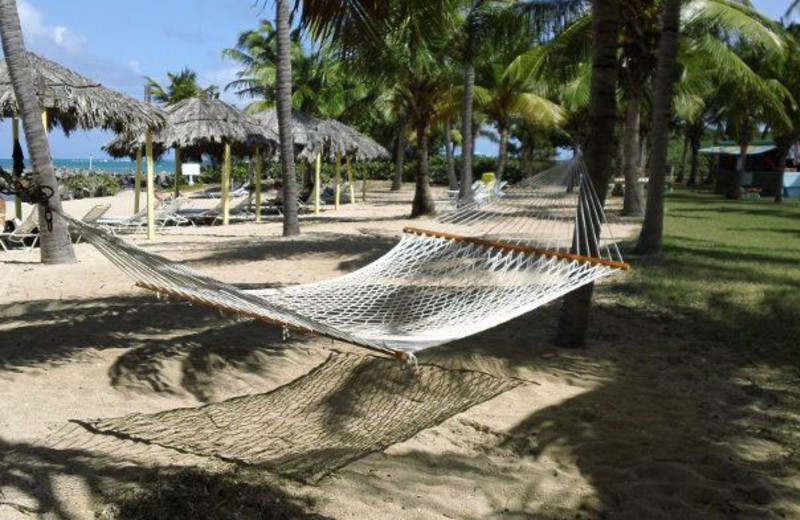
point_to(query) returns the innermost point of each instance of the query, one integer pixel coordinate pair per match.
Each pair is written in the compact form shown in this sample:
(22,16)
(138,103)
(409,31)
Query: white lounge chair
(91,217)
(25,231)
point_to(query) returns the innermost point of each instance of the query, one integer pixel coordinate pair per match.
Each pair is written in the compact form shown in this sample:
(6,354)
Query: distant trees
(181,85)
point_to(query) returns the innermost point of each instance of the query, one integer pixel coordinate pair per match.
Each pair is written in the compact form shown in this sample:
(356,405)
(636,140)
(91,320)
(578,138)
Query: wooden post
(317,181)
(151,187)
(337,180)
(15,135)
(178,171)
(350,179)
(226,185)
(137,180)
(258,173)
(364,178)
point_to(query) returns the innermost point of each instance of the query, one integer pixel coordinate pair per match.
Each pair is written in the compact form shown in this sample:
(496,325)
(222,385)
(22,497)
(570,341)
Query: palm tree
(56,246)
(652,229)
(182,85)
(574,320)
(509,94)
(283,89)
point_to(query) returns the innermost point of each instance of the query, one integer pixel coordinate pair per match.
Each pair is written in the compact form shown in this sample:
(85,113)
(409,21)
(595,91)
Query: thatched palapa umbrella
(72,101)
(208,124)
(314,137)
(309,142)
(348,142)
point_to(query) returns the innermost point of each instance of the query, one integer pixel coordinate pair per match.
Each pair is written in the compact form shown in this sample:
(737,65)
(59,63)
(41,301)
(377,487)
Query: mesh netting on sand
(348,407)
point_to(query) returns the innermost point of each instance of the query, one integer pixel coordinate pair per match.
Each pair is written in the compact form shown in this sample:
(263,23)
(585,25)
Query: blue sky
(118,42)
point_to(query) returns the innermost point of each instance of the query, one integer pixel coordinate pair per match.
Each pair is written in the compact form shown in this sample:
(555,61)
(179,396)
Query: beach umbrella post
(350,179)
(259,170)
(317,181)
(364,177)
(226,184)
(137,180)
(151,187)
(15,137)
(178,170)
(337,182)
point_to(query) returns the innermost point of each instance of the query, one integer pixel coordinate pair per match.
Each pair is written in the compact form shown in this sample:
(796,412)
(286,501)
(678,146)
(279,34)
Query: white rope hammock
(472,269)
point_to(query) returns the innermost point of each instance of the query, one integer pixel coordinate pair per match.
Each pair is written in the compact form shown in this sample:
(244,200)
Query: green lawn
(731,267)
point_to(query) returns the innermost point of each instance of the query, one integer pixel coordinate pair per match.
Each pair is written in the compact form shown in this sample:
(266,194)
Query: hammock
(472,269)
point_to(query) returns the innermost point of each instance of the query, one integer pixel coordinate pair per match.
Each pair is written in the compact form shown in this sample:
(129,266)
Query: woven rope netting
(474,268)
(348,407)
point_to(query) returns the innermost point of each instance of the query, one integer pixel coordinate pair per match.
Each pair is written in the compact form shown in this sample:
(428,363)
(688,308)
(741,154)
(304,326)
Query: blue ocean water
(99,165)
(112,166)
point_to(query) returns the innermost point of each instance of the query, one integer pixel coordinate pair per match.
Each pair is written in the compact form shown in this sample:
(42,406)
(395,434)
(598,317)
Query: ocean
(99,165)
(112,166)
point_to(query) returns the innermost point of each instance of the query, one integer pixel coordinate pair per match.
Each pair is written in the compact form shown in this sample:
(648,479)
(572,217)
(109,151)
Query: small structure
(763,165)
(207,125)
(314,137)
(72,101)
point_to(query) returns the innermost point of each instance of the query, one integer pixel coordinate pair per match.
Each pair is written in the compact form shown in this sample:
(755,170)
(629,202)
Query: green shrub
(80,186)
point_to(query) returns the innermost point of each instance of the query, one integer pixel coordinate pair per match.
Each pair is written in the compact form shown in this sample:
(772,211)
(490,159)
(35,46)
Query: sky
(116,44)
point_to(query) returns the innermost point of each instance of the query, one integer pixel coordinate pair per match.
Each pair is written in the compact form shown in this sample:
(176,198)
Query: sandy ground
(635,426)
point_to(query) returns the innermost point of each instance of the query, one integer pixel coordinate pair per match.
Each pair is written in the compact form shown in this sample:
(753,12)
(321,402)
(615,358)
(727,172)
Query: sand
(635,426)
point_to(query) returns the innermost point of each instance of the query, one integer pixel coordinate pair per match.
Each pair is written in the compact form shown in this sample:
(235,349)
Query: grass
(733,267)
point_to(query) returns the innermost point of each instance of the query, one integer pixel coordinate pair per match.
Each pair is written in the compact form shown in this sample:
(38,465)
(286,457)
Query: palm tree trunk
(684,156)
(467,142)
(399,161)
(574,320)
(283,89)
(423,202)
(55,244)
(502,153)
(632,204)
(784,155)
(450,163)
(735,188)
(652,232)
(694,157)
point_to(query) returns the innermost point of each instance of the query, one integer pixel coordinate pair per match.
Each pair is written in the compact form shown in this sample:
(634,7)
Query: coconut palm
(511,93)
(574,320)
(713,26)
(56,247)
(652,229)
(182,85)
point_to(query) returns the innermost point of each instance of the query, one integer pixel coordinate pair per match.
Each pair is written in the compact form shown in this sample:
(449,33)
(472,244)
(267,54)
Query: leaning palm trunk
(399,161)
(502,153)
(466,134)
(450,162)
(423,202)
(284,106)
(632,204)
(653,228)
(574,320)
(56,247)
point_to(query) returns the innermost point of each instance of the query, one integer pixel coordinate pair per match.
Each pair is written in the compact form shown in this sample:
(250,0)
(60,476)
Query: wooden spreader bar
(515,247)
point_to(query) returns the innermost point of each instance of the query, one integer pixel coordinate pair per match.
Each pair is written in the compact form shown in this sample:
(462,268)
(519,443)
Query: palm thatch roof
(206,121)
(126,145)
(351,142)
(198,126)
(327,136)
(74,101)
(306,131)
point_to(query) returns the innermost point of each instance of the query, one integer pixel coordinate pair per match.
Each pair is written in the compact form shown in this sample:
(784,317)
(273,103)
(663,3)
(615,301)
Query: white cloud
(135,67)
(36,30)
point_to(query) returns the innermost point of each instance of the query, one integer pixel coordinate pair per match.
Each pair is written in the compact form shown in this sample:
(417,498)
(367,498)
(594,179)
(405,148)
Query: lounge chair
(239,211)
(91,217)
(29,229)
